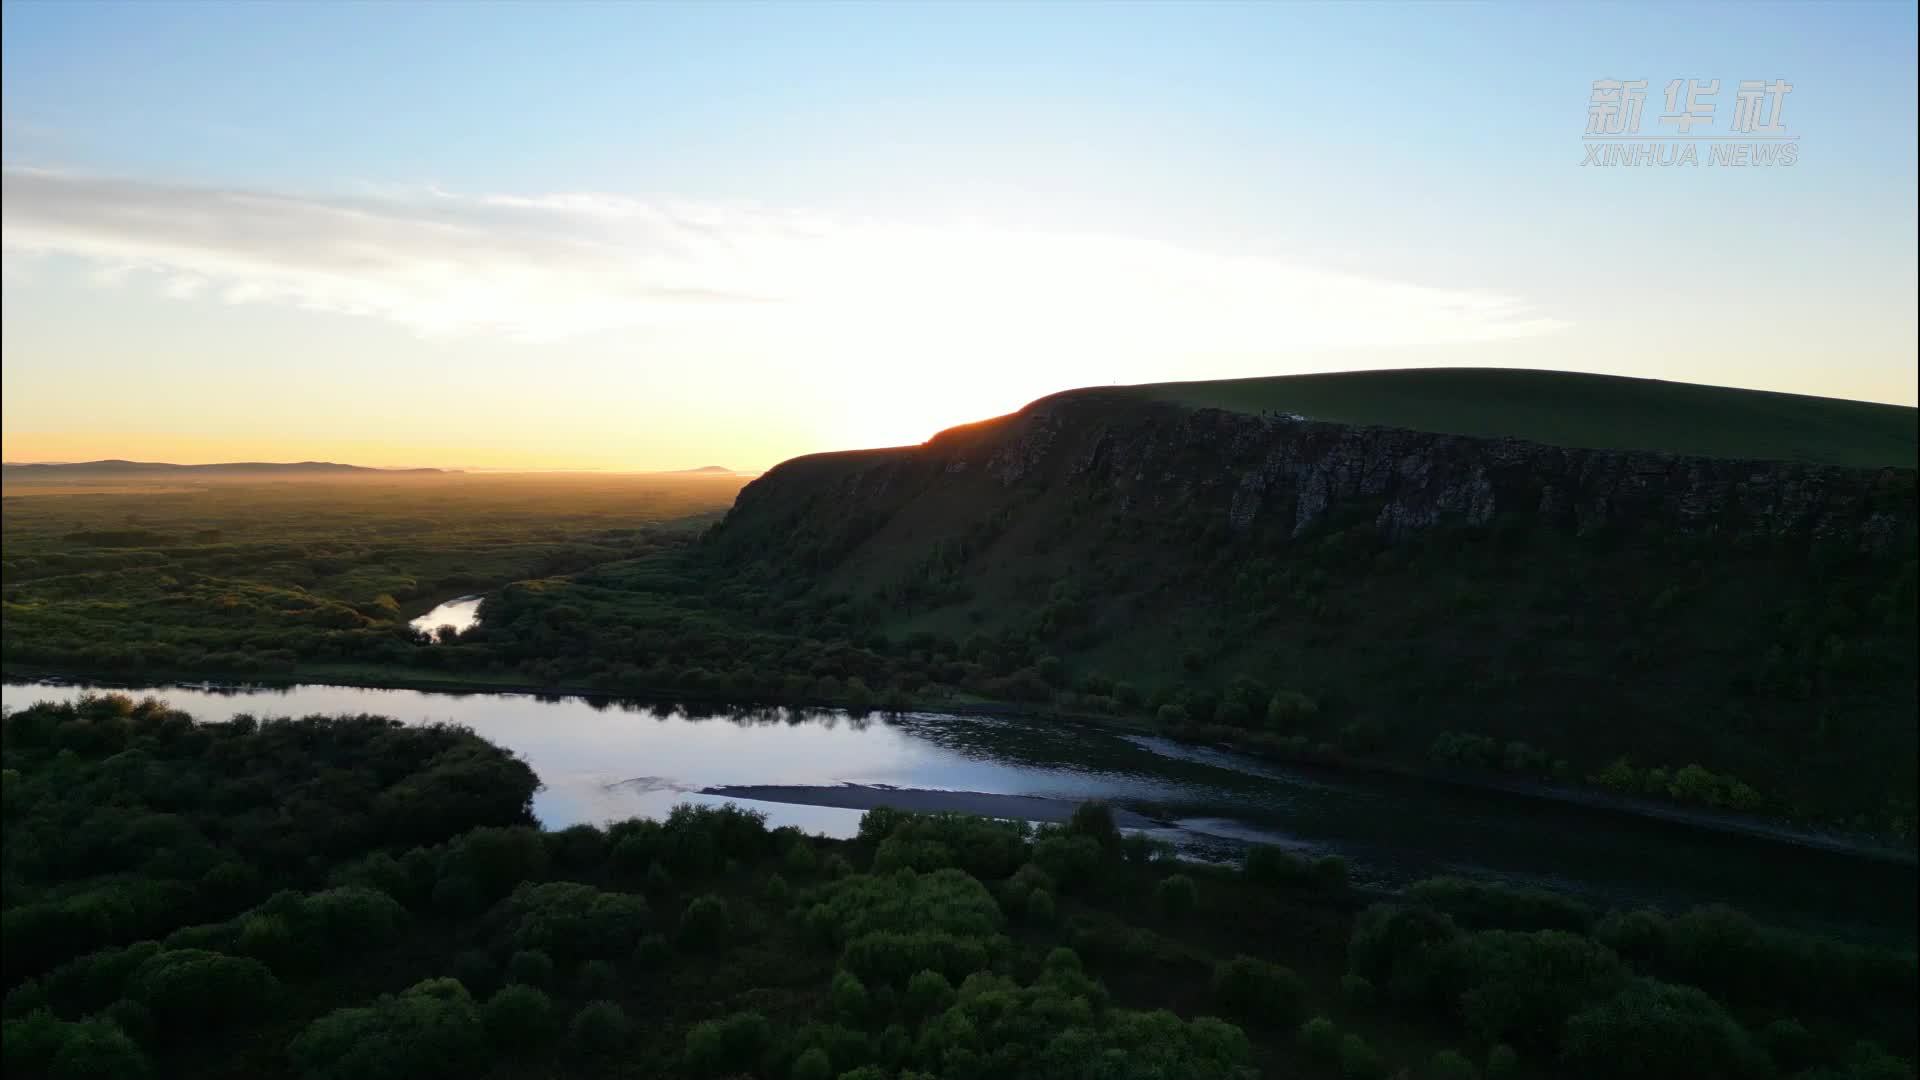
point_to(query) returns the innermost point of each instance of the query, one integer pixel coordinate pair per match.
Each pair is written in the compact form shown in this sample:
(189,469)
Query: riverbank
(849,796)
(1598,800)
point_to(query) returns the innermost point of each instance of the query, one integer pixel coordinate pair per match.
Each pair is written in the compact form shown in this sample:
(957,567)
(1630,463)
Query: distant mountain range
(117,466)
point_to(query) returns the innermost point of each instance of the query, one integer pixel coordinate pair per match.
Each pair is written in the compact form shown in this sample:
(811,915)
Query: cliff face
(1754,617)
(1284,476)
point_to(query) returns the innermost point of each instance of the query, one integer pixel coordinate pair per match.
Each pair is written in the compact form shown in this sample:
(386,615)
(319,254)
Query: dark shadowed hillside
(1564,408)
(1614,604)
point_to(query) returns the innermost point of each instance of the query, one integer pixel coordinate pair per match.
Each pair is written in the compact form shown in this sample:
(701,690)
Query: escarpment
(1588,612)
(1284,477)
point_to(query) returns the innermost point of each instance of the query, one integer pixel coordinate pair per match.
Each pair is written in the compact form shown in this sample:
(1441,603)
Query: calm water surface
(600,760)
(461,613)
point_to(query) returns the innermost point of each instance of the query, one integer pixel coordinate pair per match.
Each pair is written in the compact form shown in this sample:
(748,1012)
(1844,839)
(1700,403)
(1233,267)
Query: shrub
(777,891)
(518,1019)
(210,937)
(266,938)
(1320,1039)
(1401,949)
(1356,991)
(87,984)
(1269,865)
(632,854)
(1523,986)
(476,970)
(697,839)
(96,1050)
(891,957)
(848,997)
(530,967)
(800,860)
(1040,908)
(351,918)
(1360,1061)
(28,997)
(497,859)
(1656,1031)
(659,879)
(1094,820)
(1330,872)
(1175,896)
(1140,849)
(812,1064)
(1791,1046)
(1258,991)
(1114,941)
(730,1045)
(131,1017)
(40,1045)
(1640,937)
(943,901)
(1482,905)
(458,894)
(1074,861)
(599,1029)
(929,992)
(1453,1065)
(1502,1063)
(572,921)
(652,952)
(190,989)
(703,924)
(983,847)
(595,979)
(431,1031)
(29,1042)
(577,847)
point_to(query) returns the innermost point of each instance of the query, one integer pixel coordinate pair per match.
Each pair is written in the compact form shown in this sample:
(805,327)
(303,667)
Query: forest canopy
(348,897)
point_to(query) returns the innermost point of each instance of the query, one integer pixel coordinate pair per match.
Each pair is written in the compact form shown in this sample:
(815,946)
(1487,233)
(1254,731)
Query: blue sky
(884,200)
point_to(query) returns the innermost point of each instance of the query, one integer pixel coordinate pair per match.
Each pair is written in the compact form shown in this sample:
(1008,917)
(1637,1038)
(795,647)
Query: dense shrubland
(347,898)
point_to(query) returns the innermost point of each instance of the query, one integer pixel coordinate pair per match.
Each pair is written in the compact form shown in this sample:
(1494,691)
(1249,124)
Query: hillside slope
(1406,593)
(1564,408)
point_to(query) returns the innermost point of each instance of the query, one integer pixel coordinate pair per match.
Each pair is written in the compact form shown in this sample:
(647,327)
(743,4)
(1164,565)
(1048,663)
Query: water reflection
(461,613)
(602,759)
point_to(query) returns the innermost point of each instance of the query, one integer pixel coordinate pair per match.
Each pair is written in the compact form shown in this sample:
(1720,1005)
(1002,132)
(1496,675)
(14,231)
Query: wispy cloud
(554,266)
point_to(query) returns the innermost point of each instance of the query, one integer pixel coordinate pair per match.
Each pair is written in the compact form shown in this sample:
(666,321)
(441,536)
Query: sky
(643,235)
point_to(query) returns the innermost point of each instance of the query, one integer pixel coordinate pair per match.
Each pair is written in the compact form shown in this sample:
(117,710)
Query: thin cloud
(554,266)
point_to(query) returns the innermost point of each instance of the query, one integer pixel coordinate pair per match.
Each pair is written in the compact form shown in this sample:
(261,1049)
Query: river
(601,760)
(461,613)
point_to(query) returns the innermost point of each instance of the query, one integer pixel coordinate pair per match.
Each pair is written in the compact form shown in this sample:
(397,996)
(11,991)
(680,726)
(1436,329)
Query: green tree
(519,1019)
(599,1029)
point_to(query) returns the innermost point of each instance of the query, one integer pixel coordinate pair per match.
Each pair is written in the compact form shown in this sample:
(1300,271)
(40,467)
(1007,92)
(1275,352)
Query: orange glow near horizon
(866,414)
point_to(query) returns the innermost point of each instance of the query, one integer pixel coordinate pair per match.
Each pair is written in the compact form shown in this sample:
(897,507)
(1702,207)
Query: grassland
(1570,409)
(236,575)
